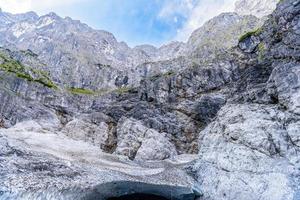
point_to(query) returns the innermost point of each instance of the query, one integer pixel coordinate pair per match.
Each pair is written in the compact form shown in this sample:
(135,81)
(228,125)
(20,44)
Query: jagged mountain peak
(221,32)
(63,43)
(53,15)
(28,15)
(148,49)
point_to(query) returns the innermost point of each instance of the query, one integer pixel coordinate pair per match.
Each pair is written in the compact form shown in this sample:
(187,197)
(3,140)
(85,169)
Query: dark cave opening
(127,190)
(139,196)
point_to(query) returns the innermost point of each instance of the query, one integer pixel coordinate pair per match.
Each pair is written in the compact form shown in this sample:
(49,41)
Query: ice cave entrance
(139,197)
(127,190)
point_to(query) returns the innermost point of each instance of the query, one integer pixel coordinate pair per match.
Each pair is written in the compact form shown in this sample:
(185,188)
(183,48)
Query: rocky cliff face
(78,56)
(226,123)
(258,8)
(220,33)
(250,151)
(89,69)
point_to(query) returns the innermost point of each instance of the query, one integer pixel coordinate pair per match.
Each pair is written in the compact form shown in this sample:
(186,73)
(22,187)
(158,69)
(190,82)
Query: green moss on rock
(169,73)
(29,74)
(123,90)
(157,76)
(81,91)
(261,51)
(250,33)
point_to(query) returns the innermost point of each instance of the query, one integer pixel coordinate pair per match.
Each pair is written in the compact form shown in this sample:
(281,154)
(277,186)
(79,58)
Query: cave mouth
(139,196)
(128,190)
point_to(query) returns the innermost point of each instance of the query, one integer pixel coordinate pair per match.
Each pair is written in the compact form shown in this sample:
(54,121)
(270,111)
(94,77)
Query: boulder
(80,130)
(139,142)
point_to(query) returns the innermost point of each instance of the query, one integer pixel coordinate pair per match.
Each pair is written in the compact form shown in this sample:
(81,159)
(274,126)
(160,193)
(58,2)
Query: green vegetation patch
(169,73)
(261,51)
(29,53)
(30,74)
(250,33)
(81,91)
(123,90)
(155,77)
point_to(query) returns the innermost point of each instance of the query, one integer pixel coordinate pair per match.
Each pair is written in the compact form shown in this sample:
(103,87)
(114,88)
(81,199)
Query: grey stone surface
(139,142)
(258,8)
(246,153)
(250,150)
(220,33)
(235,102)
(40,164)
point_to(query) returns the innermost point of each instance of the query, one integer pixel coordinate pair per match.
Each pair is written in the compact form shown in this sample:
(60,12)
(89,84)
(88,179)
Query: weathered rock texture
(137,141)
(230,95)
(37,163)
(258,8)
(250,150)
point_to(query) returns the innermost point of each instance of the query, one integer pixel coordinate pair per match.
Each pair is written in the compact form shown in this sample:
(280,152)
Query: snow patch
(45,22)
(42,138)
(42,39)
(20,29)
(109,50)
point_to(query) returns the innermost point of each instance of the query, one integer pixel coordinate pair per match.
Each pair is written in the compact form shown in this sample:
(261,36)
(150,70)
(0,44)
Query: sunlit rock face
(250,150)
(220,33)
(139,142)
(258,8)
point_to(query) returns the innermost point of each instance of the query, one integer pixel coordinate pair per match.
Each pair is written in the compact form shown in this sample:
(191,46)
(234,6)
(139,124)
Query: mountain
(220,33)
(84,116)
(258,8)
(59,69)
(73,52)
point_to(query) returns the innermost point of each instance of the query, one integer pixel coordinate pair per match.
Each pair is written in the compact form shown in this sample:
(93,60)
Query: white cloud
(15,6)
(20,6)
(197,13)
(172,8)
(45,5)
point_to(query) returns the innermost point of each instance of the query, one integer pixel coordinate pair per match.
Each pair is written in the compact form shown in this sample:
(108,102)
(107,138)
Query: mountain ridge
(97,46)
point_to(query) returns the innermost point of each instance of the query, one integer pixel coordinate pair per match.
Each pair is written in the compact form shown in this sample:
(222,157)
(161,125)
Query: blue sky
(134,21)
